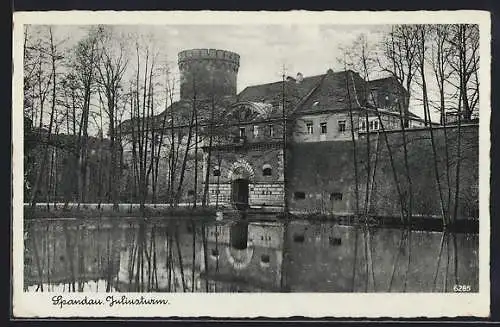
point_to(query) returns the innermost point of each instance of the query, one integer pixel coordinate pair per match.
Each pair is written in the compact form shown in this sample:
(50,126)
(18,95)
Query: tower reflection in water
(244,256)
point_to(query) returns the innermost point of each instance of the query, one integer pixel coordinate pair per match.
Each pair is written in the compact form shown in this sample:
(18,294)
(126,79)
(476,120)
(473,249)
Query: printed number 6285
(461,288)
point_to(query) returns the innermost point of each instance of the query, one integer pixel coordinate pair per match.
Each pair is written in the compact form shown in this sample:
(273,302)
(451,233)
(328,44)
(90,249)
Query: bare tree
(362,57)
(440,57)
(85,63)
(465,43)
(401,54)
(55,56)
(421,64)
(111,69)
(464,39)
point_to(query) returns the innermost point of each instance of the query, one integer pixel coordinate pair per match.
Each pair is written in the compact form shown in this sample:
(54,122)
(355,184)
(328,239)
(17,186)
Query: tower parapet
(208,72)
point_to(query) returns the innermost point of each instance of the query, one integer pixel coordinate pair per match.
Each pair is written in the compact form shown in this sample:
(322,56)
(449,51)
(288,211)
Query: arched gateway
(240,175)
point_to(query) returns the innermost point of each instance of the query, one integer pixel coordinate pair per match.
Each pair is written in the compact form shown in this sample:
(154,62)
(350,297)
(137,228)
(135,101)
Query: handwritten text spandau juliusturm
(110,300)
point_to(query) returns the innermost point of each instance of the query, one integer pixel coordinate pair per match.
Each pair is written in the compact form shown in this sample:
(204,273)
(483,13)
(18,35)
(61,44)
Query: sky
(264,50)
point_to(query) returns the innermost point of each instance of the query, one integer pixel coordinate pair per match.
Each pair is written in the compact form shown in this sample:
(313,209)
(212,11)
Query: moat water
(184,255)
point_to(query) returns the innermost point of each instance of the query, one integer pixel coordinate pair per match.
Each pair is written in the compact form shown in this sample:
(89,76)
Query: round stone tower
(207,73)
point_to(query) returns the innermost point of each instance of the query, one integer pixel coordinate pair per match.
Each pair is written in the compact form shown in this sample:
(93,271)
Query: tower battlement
(208,72)
(208,54)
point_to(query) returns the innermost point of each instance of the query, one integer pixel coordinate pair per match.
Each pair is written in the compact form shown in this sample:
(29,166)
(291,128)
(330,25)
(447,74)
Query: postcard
(251,164)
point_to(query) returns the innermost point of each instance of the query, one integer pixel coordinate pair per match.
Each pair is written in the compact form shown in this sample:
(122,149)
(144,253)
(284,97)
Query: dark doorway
(239,189)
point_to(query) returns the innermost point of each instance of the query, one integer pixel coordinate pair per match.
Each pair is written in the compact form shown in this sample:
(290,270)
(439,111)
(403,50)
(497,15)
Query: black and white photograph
(259,153)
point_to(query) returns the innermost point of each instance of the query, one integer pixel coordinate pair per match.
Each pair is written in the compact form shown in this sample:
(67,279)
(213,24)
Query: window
(190,193)
(255,131)
(336,196)
(265,258)
(216,171)
(298,238)
(407,123)
(242,131)
(309,127)
(271,130)
(342,126)
(335,241)
(363,125)
(299,195)
(323,128)
(266,170)
(375,125)
(370,126)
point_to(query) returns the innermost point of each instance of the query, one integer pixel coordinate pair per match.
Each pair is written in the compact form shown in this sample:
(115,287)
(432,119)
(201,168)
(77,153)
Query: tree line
(438,65)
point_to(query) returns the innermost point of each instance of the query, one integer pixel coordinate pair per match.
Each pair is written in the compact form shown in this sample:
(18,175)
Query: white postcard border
(261,304)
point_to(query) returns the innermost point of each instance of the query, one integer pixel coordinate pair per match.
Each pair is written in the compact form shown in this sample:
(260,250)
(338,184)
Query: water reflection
(182,255)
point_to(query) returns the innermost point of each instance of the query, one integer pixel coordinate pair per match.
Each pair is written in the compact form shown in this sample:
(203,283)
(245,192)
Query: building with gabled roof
(246,161)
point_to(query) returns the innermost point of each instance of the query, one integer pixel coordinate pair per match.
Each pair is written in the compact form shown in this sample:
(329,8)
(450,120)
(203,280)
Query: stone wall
(263,189)
(324,173)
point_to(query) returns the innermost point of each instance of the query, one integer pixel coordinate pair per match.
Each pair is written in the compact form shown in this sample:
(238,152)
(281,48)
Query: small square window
(271,130)
(309,127)
(255,131)
(341,126)
(336,196)
(299,195)
(265,258)
(298,238)
(242,132)
(323,128)
(335,241)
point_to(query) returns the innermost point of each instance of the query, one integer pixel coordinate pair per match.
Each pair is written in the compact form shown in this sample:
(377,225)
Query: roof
(335,92)
(182,111)
(329,92)
(315,93)
(270,92)
(382,81)
(387,82)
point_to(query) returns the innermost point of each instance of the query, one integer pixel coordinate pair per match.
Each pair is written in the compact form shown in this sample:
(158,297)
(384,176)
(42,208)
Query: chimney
(299,78)
(290,79)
